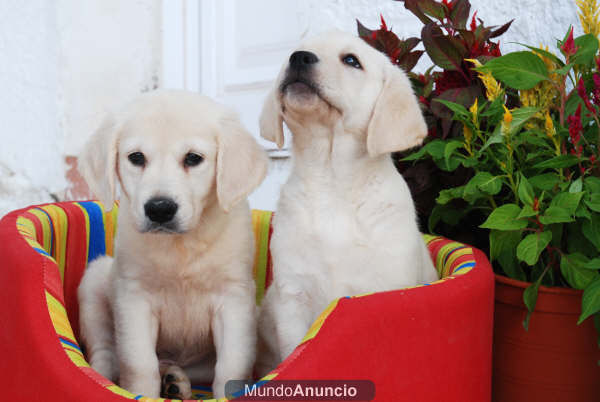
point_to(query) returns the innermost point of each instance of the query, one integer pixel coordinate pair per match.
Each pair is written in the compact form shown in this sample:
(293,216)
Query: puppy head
(173,153)
(337,77)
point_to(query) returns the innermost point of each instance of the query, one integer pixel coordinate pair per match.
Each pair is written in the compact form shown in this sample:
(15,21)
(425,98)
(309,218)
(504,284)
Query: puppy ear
(271,121)
(98,161)
(241,163)
(397,123)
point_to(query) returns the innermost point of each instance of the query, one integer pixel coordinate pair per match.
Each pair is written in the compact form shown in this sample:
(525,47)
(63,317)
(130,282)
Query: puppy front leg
(292,321)
(136,330)
(234,336)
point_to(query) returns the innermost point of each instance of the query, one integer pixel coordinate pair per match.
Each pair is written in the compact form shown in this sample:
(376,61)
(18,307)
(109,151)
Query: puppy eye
(191,159)
(137,158)
(351,60)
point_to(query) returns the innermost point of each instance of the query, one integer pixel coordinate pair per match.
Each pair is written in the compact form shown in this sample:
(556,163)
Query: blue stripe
(137,398)
(452,251)
(51,229)
(70,343)
(466,265)
(97,246)
(42,251)
(201,388)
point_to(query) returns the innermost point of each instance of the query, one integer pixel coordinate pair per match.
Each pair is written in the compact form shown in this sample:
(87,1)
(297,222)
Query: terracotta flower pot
(556,360)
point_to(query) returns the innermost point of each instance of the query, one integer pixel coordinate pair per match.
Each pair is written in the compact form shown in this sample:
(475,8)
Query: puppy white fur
(177,292)
(345,222)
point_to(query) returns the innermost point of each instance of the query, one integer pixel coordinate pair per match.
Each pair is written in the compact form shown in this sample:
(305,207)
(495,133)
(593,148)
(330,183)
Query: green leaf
(556,215)
(593,264)
(505,218)
(591,230)
(593,202)
(485,182)
(592,184)
(558,162)
(519,70)
(588,47)
(491,185)
(525,191)
(530,296)
(520,117)
(495,138)
(451,146)
(567,201)
(527,212)
(564,69)
(590,302)
(572,266)
(546,181)
(583,212)
(450,194)
(576,186)
(545,53)
(530,248)
(435,148)
(503,246)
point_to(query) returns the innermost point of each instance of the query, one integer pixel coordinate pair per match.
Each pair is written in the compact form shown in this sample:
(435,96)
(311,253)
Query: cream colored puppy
(179,292)
(345,222)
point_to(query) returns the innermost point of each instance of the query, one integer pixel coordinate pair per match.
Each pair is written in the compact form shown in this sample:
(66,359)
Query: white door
(232,50)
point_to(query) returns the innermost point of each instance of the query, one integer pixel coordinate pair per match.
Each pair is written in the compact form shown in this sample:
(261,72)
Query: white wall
(30,136)
(65,62)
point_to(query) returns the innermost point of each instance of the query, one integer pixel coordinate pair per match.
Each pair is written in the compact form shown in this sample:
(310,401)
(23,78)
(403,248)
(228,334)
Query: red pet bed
(423,344)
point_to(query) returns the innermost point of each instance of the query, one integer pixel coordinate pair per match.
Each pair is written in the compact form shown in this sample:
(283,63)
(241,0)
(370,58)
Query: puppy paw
(175,384)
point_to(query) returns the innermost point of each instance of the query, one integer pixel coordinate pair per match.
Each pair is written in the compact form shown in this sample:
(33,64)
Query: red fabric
(33,365)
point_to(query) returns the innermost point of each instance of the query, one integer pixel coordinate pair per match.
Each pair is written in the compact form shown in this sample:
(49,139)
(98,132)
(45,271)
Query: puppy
(179,293)
(345,222)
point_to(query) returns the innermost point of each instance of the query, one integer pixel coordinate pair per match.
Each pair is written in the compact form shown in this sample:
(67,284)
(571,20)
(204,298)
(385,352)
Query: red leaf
(568,47)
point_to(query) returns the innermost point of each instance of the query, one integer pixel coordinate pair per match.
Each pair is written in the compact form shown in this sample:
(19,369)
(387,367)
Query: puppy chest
(184,323)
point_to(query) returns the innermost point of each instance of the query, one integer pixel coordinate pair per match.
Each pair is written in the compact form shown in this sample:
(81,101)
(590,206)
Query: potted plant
(528,150)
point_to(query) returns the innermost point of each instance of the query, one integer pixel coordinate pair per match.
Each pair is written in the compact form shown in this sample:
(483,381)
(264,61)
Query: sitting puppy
(345,222)
(178,298)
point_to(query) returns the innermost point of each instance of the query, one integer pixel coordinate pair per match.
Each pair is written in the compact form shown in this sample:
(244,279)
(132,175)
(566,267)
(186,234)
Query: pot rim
(521,284)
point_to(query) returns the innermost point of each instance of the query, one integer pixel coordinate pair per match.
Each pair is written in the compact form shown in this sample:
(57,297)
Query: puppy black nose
(302,59)
(160,209)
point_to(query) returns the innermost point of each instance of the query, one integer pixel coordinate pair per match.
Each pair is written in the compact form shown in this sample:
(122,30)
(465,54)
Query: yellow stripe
(58,316)
(120,391)
(261,224)
(110,226)
(316,326)
(60,223)
(45,223)
(459,253)
(77,358)
(26,227)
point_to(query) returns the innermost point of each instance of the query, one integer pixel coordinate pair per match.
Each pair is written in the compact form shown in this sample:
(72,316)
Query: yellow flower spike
(493,90)
(474,109)
(507,115)
(468,134)
(589,16)
(475,62)
(549,125)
